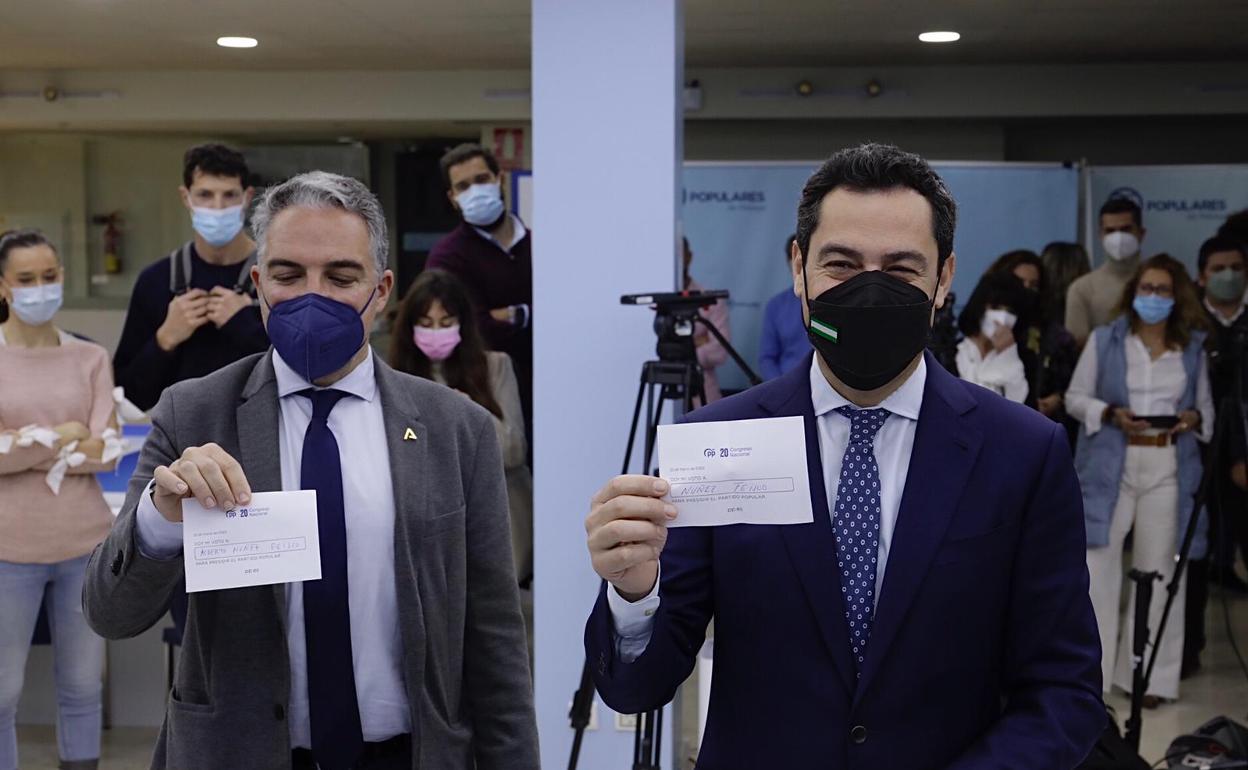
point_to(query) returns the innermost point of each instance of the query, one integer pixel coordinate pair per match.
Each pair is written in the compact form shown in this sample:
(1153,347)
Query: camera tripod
(675,376)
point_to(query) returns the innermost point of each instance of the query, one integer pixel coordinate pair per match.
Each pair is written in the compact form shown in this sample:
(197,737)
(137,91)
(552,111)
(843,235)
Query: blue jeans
(77,651)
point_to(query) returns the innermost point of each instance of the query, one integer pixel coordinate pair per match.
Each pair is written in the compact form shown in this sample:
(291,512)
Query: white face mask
(36,305)
(993,319)
(1121,245)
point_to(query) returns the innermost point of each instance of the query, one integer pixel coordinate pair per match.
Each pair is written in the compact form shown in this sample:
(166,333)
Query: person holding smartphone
(1141,394)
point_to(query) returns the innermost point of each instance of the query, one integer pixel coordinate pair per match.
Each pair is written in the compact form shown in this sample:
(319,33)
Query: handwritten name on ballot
(272,539)
(742,472)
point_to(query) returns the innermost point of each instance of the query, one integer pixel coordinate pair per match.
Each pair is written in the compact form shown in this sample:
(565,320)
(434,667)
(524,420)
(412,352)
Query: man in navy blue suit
(935,614)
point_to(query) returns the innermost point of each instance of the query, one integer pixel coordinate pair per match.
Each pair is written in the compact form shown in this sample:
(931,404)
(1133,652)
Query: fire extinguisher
(112,240)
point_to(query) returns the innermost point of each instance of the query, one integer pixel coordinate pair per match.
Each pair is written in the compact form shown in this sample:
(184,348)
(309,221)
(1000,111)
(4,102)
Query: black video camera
(673,319)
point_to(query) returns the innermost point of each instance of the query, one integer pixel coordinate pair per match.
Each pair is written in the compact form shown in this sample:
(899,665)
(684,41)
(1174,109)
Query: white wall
(599,235)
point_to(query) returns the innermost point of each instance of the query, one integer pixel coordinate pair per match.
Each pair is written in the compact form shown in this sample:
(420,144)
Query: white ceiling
(494,34)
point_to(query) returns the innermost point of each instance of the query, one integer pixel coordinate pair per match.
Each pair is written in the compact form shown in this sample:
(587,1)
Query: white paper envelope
(743,472)
(273,539)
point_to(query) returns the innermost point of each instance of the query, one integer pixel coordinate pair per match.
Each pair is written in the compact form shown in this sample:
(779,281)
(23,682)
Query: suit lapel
(945,450)
(258,445)
(407,441)
(812,547)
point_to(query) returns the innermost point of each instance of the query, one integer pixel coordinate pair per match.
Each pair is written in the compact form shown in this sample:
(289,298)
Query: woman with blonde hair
(1141,394)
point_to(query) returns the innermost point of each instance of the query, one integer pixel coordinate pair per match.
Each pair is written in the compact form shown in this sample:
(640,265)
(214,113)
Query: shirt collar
(519,231)
(360,382)
(1227,322)
(903,402)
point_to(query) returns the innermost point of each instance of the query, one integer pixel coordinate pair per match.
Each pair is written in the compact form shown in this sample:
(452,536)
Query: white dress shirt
(1000,371)
(1227,322)
(517,235)
(368,495)
(1154,387)
(893,446)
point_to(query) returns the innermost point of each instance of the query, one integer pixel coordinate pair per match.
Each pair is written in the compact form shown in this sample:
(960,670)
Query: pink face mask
(437,344)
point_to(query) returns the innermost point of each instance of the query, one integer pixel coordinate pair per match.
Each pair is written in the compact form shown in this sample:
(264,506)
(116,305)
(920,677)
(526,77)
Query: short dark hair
(464,153)
(1235,227)
(1214,245)
(214,160)
(871,167)
(1123,206)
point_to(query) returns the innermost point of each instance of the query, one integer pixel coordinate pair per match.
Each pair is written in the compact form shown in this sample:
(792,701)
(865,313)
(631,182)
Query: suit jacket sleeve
(496,673)
(125,593)
(1053,712)
(687,604)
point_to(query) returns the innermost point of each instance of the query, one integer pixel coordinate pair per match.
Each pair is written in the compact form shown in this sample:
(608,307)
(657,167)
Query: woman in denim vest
(1141,394)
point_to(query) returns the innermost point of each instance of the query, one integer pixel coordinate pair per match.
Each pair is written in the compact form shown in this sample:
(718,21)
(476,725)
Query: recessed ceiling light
(237,42)
(940,37)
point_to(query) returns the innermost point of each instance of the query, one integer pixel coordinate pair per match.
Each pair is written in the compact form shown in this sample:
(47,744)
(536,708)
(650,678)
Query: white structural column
(607,152)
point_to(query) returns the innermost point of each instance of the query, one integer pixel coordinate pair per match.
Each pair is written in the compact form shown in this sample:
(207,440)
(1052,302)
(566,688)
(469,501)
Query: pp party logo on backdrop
(733,200)
(1197,207)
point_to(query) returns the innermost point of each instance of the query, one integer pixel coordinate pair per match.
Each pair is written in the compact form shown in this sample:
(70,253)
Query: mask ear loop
(370,301)
(805,283)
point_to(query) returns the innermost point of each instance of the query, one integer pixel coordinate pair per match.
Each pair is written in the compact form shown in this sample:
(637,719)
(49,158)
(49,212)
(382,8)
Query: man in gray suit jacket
(410,651)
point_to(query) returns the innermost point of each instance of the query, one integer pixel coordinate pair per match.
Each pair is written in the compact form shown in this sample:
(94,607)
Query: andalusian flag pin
(823,330)
(409,435)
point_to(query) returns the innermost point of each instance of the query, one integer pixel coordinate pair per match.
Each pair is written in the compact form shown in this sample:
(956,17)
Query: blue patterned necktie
(337,737)
(857,525)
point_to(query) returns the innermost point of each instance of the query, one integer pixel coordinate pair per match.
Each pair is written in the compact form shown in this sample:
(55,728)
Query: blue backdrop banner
(1182,205)
(737,217)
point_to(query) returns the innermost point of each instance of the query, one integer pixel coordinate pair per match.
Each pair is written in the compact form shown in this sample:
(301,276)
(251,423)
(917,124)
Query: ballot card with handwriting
(272,539)
(740,472)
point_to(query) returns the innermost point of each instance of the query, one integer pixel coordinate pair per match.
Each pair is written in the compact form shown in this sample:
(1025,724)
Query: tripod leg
(582,705)
(1139,643)
(1193,524)
(656,756)
(632,431)
(652,435)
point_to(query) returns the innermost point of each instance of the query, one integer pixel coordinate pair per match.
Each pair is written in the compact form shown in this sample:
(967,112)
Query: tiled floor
(1220,688)
(124,748)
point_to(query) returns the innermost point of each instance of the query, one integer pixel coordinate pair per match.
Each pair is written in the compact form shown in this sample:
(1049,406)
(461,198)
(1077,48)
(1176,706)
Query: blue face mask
(315,335)
(217,226)
(481,204)
(36,305)
(1152,309)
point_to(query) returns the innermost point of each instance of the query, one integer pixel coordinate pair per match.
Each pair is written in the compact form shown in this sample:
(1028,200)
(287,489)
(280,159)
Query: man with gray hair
(410,650)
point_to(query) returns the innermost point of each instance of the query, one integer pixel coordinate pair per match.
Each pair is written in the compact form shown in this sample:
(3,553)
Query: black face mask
(869,328)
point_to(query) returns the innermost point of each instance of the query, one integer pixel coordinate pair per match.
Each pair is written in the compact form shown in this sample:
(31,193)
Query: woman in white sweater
(435,336)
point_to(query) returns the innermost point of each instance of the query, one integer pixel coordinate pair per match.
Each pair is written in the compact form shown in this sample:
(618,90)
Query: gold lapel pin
(409,435)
